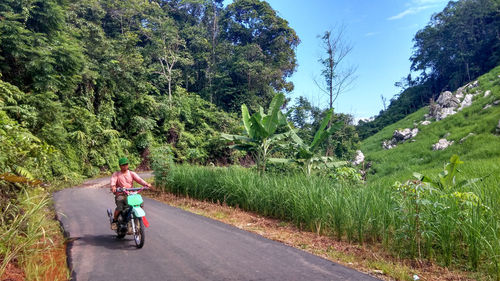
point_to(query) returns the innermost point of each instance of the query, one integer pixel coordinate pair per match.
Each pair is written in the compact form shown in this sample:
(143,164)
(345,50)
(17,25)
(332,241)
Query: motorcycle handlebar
(123,189)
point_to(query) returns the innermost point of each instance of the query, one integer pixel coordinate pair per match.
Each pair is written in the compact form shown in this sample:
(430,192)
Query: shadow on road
(107,241)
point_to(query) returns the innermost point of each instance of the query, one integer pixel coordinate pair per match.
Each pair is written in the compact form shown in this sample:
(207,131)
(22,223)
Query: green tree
(259,53)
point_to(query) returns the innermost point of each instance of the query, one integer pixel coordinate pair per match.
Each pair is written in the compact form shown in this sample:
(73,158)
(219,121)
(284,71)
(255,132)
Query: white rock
(460,92)
(441,144)
(360,158)
(497,102)
(487,93)
(466,102)
(473,84)
(447,99)
(445,112)
(487,106)
(414,132)
(498,127)
(425,123)
(405,134)
(402,135)
(466,137)
(389,144)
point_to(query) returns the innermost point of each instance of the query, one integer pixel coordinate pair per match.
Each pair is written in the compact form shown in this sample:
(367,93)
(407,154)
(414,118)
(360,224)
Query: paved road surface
(179,246)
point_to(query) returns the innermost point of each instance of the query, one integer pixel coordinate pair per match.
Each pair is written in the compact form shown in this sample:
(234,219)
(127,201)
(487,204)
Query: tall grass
(446,227)
(26,236)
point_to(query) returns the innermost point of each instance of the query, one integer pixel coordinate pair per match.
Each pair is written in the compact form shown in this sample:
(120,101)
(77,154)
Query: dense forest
(459,44)
(83,82)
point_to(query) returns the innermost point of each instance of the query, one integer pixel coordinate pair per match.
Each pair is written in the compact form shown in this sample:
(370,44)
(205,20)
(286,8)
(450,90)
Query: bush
(161,162)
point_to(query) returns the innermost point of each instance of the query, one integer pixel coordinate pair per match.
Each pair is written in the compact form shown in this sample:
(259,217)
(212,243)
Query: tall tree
(168,48)
(261,54)
(337,77)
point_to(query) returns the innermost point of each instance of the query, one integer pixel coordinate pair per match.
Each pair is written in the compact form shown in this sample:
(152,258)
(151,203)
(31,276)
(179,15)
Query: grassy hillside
(480,152)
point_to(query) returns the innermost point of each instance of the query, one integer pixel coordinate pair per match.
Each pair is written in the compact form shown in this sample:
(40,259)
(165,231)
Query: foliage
(346,175)
(260,54)
(92,77)
(433,209)
(260,128)
(307,119)
(305,154)
(446,177)
(161,161)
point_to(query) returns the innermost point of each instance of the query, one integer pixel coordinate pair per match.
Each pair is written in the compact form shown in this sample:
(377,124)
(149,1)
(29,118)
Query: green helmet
(123,161)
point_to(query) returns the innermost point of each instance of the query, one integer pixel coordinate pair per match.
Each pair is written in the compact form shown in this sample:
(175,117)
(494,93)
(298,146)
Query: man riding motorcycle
(125,179)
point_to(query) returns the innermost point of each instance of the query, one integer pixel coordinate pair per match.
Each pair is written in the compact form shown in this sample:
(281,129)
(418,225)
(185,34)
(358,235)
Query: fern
(22,171)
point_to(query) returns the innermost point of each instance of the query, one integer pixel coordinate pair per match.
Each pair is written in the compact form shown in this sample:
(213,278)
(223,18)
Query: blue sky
(381,33)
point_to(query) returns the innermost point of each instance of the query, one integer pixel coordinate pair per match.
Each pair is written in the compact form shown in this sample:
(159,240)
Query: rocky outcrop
(360,158)
(389,144)
(405,134)
(498,127)
(399,136)
(442,144)
(448,104)
(447,99)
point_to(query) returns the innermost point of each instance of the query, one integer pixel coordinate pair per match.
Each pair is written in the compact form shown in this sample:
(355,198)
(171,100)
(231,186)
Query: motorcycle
(131,221)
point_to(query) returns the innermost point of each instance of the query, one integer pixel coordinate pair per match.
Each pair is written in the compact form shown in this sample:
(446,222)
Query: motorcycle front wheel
(139,232)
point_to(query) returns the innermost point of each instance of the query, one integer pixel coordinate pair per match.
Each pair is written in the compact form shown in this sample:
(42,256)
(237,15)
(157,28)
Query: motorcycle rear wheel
(139,232)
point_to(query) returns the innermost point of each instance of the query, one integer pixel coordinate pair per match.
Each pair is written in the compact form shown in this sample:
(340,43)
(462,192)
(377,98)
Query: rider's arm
(138,179)
(113,182)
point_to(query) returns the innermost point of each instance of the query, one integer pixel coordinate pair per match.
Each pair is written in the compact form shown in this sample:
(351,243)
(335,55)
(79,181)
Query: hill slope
(480,152)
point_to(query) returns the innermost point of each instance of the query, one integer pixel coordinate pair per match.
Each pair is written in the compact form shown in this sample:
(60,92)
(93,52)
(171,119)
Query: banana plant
(260,131)
(305,154)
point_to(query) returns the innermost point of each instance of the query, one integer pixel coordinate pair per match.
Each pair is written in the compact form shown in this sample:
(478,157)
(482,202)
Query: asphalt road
(179,246)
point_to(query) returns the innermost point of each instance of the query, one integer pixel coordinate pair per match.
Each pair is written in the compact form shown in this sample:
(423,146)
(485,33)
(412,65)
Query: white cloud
(416,6)
(369,34)
(426,2)
(409,11)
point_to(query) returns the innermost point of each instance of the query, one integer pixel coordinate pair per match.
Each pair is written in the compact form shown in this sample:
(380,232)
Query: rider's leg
(121,204)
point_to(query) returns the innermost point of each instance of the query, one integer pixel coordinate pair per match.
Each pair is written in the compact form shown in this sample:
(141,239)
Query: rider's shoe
(114,225)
